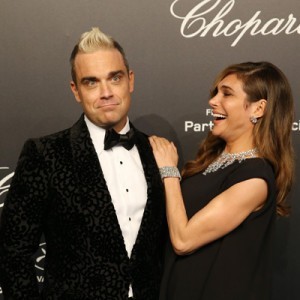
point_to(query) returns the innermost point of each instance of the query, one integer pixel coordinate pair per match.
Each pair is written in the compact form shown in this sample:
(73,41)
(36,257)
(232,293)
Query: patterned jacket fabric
(59,191)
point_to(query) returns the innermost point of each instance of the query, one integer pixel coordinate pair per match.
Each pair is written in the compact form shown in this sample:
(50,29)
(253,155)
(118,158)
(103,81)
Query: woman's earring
(253,120)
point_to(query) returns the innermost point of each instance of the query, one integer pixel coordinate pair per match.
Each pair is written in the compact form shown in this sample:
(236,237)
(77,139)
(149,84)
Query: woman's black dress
(236,266)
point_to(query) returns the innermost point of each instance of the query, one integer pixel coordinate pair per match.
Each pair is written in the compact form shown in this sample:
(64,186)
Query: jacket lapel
(91,183)
(154,209)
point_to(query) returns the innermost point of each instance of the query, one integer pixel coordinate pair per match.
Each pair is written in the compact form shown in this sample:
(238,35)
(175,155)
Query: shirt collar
(98,133)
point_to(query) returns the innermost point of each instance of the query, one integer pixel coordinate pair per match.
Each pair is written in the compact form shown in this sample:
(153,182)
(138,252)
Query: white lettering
(252,22)
(4,188)
(209,112)
(195,22)
(197,127)
(40,278)
(218,20)
(274,30)
(40,258)
(292,21)
(201,127)
(188,124)
(296,126)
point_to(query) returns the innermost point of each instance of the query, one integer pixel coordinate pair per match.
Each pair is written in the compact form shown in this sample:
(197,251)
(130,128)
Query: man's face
(103,87)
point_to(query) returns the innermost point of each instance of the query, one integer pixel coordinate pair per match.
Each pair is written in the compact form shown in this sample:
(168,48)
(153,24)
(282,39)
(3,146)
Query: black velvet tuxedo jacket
(59,191)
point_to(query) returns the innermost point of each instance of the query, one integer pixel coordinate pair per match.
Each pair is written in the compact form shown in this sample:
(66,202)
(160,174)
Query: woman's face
(232,111)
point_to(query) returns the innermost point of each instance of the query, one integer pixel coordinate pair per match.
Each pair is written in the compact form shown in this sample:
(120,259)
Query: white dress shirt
(126,183)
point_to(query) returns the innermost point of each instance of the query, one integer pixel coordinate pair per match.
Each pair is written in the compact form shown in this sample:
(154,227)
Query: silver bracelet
(169,172)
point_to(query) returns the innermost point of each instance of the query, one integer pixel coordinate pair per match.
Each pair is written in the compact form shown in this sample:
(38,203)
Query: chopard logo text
(208,17)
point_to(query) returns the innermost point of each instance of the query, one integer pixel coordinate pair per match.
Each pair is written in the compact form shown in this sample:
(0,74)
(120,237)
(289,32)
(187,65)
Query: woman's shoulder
(252,168)
(257,165)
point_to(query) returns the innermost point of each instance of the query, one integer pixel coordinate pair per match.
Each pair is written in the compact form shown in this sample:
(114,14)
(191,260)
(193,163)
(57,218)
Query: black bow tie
(113,138)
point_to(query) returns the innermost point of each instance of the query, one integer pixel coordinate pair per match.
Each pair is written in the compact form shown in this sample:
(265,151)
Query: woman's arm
(220,216)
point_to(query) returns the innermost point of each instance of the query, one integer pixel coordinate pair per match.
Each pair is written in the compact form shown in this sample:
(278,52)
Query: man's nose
(105,91)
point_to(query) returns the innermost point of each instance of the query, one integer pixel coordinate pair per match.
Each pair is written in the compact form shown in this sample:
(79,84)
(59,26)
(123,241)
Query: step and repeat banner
(176,48)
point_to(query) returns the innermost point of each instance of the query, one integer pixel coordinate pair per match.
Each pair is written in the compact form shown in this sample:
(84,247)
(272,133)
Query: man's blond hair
(92,41)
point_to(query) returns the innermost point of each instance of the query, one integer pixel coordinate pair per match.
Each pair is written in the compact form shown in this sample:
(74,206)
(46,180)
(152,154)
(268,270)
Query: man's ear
(75,91)
(131,81)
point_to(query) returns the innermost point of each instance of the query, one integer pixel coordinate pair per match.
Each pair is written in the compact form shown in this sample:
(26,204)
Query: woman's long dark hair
(271,134)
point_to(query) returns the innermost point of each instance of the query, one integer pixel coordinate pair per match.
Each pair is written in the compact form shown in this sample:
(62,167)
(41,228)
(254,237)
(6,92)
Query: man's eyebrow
(110,75)
(114,73)
(88,78)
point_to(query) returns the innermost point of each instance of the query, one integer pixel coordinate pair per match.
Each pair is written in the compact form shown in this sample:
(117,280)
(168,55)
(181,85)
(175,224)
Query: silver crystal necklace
(226,159)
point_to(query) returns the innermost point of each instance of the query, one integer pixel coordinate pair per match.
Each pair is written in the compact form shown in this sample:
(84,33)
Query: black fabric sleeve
(21,225)
(254,168)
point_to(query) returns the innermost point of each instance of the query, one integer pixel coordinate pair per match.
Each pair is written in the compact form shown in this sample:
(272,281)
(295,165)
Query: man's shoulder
(51,139)
(142,138)
(138,132)
(142,134)
(61,134)
(61,137)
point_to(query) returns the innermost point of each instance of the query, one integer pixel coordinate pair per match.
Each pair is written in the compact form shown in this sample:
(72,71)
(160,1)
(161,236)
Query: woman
(221,218)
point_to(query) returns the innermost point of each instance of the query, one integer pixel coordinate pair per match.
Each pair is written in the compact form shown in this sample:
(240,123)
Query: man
(99,206)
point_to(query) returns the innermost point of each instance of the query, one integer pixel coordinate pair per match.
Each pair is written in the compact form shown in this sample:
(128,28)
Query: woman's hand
(165,152)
